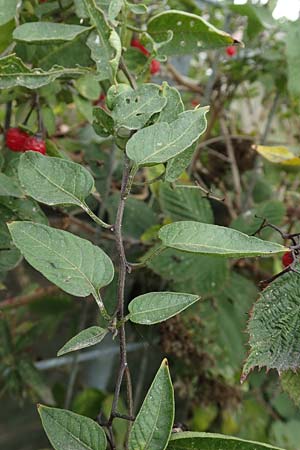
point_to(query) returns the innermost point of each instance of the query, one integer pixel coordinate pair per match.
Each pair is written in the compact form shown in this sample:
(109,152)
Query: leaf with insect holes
(86,338)
(69,431)
(213,441)
(47,32)
(209,239)
(153,424)
(191,33)
(155,307)
(72,263)
(162,141)
(54,181)
(133,108)
(274,326)
(13,72)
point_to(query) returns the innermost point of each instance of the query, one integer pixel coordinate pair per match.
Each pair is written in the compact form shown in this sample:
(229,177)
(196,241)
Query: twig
(184,81)
(15,302)
(130,78)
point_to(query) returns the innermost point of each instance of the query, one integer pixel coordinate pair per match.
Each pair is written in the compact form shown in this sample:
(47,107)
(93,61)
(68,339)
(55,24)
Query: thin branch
(184,81)
(23,300)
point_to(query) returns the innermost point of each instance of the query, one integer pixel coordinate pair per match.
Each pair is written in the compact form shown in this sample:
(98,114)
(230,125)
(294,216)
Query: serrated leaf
(153,424)
(105,46)
(191,33)
(54,181)
(278,155)
(155,307)
(133,108)
(290,383)
(69,431)
(213,441)
(7,10)
(72,263)
(208,239)
(162,141)
(86,338)
(274,327)
(184,203)
(9,187)
(47,32)
(13,72)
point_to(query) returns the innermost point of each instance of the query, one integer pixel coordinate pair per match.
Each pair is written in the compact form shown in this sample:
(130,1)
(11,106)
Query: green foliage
(86,338)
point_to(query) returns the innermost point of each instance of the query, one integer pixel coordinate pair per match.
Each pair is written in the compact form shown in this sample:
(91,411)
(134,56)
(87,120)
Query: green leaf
(13,72)
(274,327)
(9,259)
(162,141)
(47,32)
(103,123)
(155,307)
(177,165)
(54,181)
(6,32)
(191,33)
(72,263)
(211,441)
(84,106)
(293,58)
(208,239)
(88,86)
(86,338)
(9,187)
(7,10)
(133,108)
(104,43)
(114,8)
(185,203)
(174,105)
(153,424)
(137,9)
(32,377)
(290,383)
(67,430)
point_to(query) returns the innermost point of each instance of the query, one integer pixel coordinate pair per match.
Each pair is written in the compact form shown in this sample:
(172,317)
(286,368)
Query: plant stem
(123,270)
(94,217)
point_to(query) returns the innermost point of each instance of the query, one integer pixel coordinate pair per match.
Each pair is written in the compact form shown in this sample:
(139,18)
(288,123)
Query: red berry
(35,144)
(231,50)
(15,139)
(287,259)
(136,44)
(154,66)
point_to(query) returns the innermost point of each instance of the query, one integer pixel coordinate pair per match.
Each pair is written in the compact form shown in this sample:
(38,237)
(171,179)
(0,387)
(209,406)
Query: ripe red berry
(35,144)
(15,139)
(154,66)
(231,50)
(136,44)
(287,259)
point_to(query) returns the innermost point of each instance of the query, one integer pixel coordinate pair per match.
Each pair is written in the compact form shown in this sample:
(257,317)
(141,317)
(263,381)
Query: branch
(23,300)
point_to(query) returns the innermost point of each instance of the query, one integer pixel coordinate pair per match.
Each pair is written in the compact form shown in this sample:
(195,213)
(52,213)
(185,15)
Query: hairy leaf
(72,263)
(69,431)
(54,181)
(153,424)
(211,441)
(274,326)
(208,239)
(191,33)
(162,141)
(155,307)
(86,338)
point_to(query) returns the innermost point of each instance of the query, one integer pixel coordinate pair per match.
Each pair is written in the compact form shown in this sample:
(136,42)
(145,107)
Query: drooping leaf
(104,42)
(9,187)
(86,338)
(274,327)
(72,263)
(155,307)
(162,141)
(13,72)
(133,108)
(47,32)
(185,203)
(191,33)
(278,155)
(211,441)
(153,424)
(208,239)
(54,181)
(7,10)
(67,430)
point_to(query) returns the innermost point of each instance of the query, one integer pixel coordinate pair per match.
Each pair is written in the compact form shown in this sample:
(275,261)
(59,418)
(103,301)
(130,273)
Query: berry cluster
(19,141)
(154,65)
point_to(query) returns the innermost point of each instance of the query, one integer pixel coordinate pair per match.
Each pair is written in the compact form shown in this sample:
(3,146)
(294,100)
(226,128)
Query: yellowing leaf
(278,155)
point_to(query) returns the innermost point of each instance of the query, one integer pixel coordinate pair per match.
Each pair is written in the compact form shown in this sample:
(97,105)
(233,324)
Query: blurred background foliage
(253,93)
